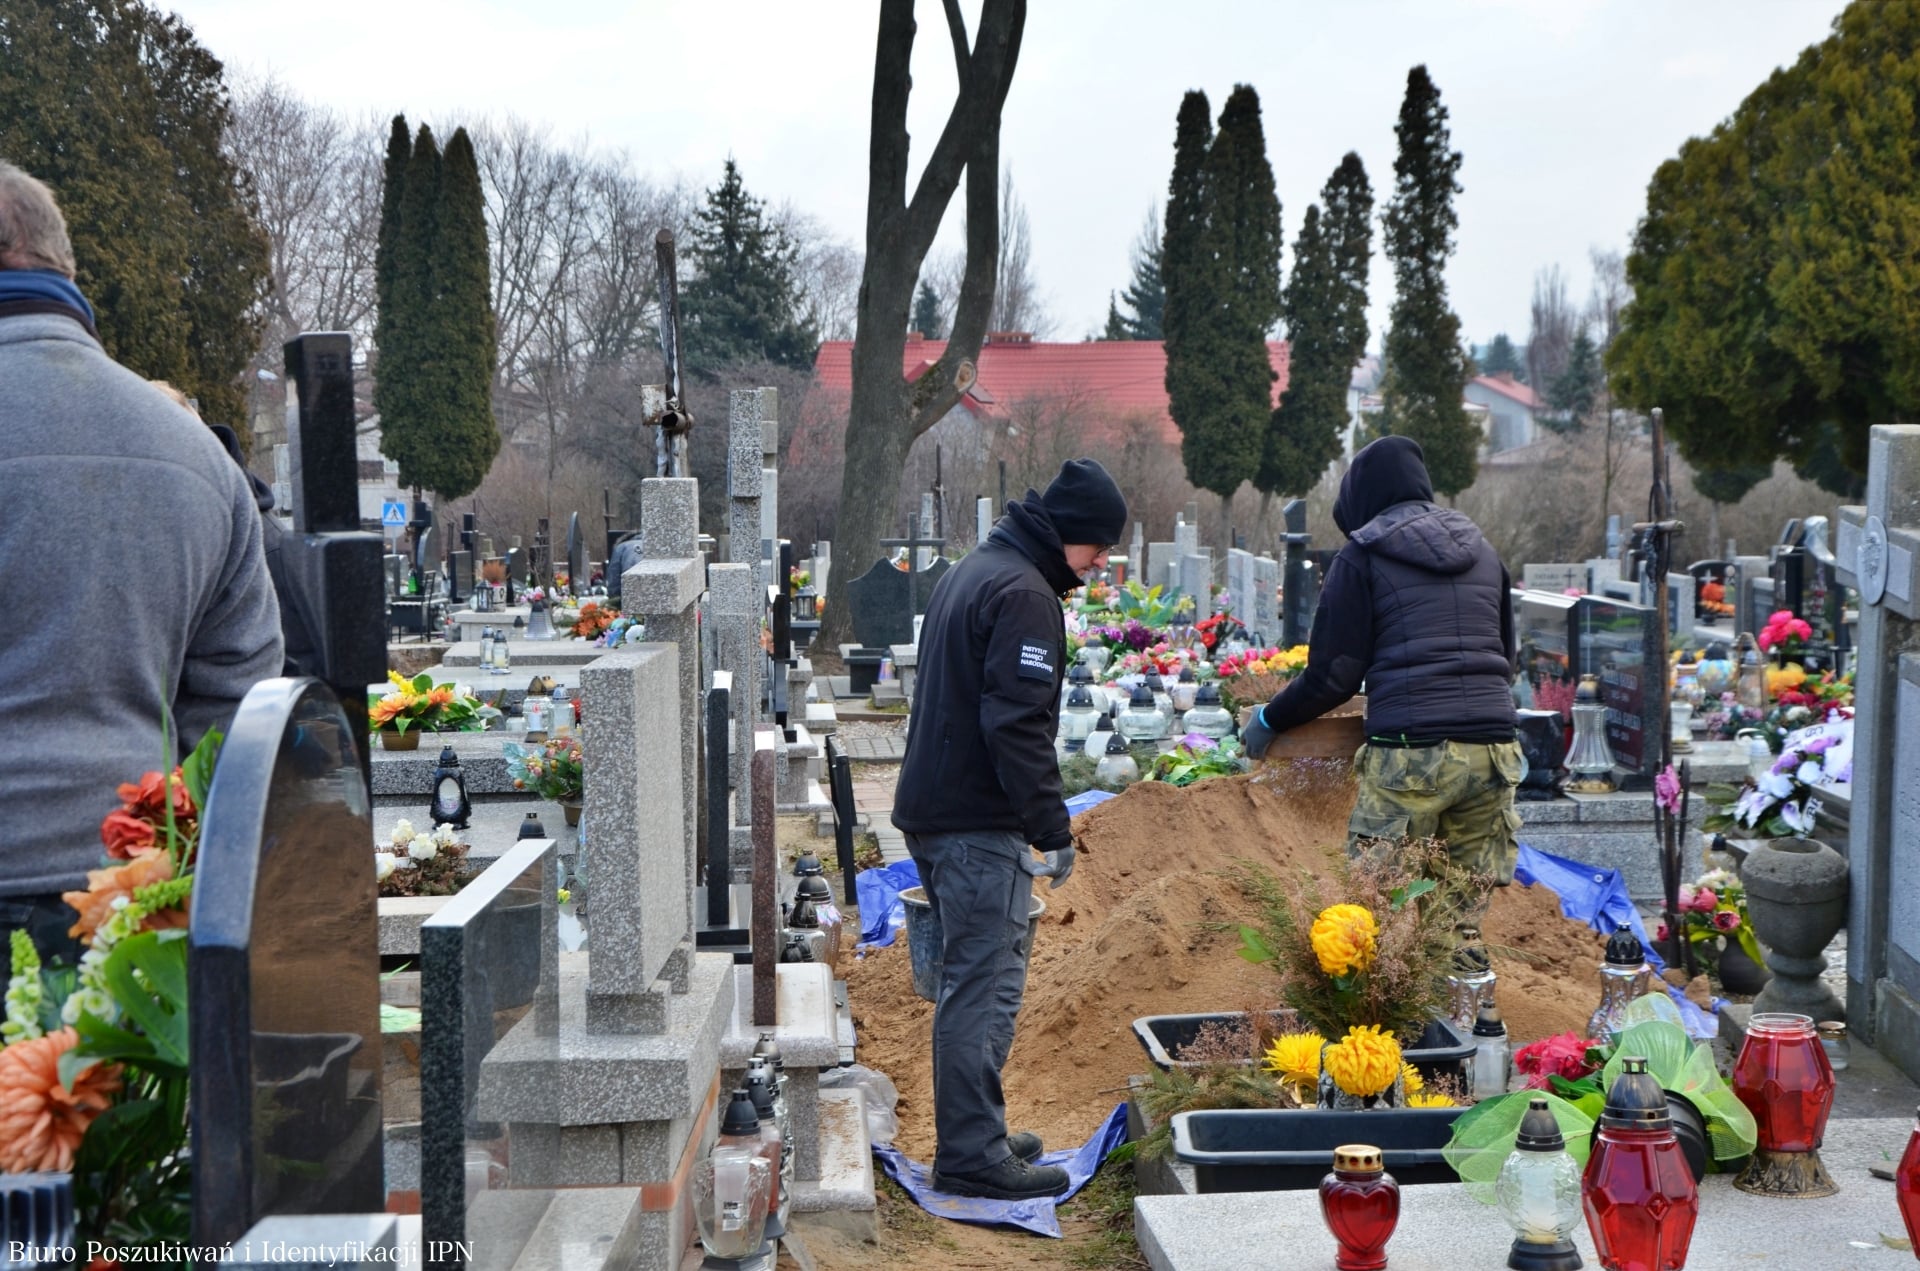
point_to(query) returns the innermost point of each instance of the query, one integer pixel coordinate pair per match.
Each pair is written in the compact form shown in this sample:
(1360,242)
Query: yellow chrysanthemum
(1431,1101)
(1365,1061)
(1296,1057)
(1343,938)
(1410,1079)
(1782,678)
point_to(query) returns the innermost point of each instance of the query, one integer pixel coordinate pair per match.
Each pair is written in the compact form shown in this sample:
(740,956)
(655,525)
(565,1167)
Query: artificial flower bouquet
(1252,678)
(555,771)
(1712,906)
(1784,801)
(421,704)
(1713,600)
(1784,634)
(93,1057)
(1195,758)
(592,622)
(421,864)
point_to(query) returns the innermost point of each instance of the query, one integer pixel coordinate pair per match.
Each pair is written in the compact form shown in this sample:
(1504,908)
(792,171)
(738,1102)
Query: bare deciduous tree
(1550,333)
(1016,295)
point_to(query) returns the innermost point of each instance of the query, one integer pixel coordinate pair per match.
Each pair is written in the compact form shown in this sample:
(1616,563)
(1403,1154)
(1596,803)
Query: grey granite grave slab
(312,1242)
(636,857)
(1196,581)
(746,477)
(766,864)
(586,1229)
(1266,599)
(842,1195)
(568,652)
(736,604)
(1443,1229)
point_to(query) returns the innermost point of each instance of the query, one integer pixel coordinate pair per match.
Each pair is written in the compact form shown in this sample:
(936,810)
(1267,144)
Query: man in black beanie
(980,787)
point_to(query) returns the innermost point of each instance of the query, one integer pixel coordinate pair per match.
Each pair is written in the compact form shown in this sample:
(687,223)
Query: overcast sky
(1562,108)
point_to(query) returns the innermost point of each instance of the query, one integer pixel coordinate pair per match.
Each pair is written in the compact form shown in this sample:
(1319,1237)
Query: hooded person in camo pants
(979,793)
(1418,606)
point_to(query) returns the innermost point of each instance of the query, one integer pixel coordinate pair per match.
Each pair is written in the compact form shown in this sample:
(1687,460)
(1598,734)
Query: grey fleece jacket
(130,551)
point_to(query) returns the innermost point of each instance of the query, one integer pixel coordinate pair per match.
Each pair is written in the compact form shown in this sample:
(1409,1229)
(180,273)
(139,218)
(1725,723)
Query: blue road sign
(393,514)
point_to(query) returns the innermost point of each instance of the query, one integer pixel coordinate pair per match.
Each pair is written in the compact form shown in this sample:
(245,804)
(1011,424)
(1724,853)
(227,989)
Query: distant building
(1512,411)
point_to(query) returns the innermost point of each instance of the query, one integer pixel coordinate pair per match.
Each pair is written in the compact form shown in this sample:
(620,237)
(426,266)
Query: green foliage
(1577,389)
(926,312)
(1216,1085)
(1190,274)
(1182,767)
(1502,357)
(1146,294)
(742,304)
(1426,363)
(1730,484)
(1775,274)
(1145,605)
(1326,312)
(1116,328)
(119,109)
(436,325)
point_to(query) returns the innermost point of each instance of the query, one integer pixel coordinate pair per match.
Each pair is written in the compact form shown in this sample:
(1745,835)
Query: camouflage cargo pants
(1458,791)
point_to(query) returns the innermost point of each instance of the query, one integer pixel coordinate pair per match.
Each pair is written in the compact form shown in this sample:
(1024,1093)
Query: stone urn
(1797,902)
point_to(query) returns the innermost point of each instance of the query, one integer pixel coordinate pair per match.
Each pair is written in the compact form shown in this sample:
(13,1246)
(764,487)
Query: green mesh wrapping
(1484,1135)
(1685,1068)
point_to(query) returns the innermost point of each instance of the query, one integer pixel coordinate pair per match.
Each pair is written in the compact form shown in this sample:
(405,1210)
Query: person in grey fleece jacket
(130,545)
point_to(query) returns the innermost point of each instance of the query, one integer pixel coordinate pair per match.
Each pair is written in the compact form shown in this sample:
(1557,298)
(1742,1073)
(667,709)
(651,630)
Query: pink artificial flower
(1726,920)
(1661,932)
(1563,1055)
(1687,891)
(1666,790)
(1703,901)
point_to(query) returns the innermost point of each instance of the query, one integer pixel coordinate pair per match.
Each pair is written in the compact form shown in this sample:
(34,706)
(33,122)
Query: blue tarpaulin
(882,912)
(1598,897)
(1087,799)
(1034,1215)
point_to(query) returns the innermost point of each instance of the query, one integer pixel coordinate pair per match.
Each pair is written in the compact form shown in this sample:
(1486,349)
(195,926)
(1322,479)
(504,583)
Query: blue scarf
(46,286)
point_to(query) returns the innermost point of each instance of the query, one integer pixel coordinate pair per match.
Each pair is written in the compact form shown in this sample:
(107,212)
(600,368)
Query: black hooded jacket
(1417,604)
(992,659)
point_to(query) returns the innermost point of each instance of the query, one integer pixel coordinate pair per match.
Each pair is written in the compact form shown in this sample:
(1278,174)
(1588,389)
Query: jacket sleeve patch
(1036,662)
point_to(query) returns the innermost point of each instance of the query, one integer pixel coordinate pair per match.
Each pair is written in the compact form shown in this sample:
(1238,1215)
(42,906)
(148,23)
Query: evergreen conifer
(1427,367)
(743,303)
(1502,357)
(1116,328)
(1578,388)
(1146,295)
(1326,313)
(926,312)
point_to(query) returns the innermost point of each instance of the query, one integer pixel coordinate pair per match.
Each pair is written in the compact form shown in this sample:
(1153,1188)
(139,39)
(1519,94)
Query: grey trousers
(979,884)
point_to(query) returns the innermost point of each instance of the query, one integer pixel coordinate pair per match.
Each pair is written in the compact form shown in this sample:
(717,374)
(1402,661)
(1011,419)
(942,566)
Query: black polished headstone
(880,607)
(840,786)
(923,582)
(1548,636)
(1616,639)
(719,819)
(460,576)
(284,972)
(323,461)
(489,989)
(576,556)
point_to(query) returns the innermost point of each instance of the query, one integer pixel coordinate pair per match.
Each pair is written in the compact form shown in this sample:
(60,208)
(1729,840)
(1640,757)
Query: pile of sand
(1135,932)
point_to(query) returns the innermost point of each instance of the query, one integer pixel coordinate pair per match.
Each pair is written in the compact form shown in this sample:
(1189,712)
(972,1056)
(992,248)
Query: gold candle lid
(1831,1028)
(1358,1158)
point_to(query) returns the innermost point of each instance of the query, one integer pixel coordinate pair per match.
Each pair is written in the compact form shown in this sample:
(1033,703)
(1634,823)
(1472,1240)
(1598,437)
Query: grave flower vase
(391,740)
(1740,973)
(1797,901)
(571,808)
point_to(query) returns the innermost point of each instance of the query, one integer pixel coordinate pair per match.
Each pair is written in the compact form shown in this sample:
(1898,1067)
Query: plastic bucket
(924,939)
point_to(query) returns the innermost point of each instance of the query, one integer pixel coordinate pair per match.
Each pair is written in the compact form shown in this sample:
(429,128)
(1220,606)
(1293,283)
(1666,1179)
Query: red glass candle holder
(1637,1192)
(1784,1078)
(1906,1188)
(1360,1203)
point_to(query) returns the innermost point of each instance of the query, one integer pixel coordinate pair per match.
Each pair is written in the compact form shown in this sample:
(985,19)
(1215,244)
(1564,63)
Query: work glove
(1059,864)
(1256,736)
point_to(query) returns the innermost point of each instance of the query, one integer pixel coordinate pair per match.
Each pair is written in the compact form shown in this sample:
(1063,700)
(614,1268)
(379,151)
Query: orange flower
(95,904)
(41,1121)
(124,834)
(147,800)
(383,711)
(440,696)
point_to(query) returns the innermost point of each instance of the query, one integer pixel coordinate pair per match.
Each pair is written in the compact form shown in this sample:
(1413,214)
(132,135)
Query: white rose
(444,835)
(383,863)
(402,832)
(422,848)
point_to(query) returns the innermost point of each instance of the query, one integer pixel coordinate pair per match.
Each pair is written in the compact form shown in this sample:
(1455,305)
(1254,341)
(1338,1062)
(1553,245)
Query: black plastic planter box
(1284,1149)
(1442,1051)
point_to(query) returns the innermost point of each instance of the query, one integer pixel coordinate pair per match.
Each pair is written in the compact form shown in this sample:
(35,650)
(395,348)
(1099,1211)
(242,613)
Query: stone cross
(1186,539)
(663,590)
(769,474)
(746,477)
(736,599)
(1879,553)
(631,840)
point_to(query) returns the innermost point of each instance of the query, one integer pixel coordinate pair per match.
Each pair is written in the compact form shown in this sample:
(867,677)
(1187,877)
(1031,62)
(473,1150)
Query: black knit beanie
(1085,504)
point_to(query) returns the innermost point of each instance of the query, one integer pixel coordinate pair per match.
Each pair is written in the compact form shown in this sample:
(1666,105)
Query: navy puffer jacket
(1417,605)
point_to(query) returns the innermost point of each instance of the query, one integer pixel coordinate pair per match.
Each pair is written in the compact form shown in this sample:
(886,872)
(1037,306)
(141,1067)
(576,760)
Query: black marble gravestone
(1548,637)
(1616,641)
(880,605)
(489,988)
(576,557)
(284,972)
(459,576)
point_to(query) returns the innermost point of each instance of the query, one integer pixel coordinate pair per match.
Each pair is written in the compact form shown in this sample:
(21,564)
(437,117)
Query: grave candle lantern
(1360,1203)
(1471,981)
(1638,1193)
(539,621)
(1906,1186)
(732,1187)
(1208,717)
(1539,1195)
(1490,1053)
(450,803)
(537,709)
(1078,719)
(1116,766)
(1186,690)
(1591,759)
(1785,1079)
(1624,975)
(1142,720)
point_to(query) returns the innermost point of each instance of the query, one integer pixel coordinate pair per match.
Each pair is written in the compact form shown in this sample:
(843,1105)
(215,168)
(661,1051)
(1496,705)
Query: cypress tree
(1146,295)
(1326,313)
(386,263)
(462,327)
(1426,364)
(408,369)
(926,312)
(1189,275)
(743,303)
(1231,390)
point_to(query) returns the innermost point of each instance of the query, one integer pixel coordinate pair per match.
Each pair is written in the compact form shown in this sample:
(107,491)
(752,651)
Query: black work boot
(1011,1179)
(1026,1146)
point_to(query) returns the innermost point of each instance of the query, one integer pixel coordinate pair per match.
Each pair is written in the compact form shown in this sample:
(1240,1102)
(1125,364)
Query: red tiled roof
(1124,377)
(1507,386)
